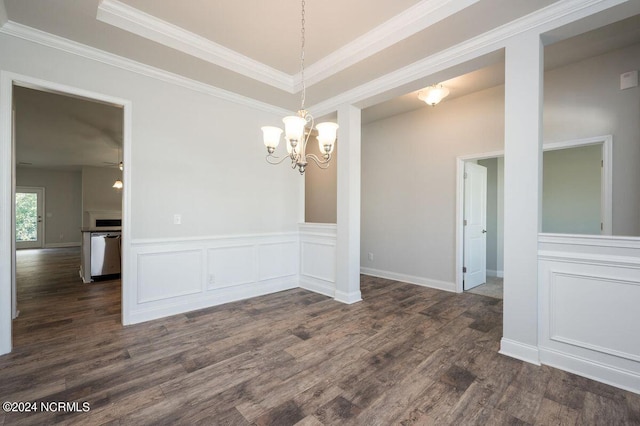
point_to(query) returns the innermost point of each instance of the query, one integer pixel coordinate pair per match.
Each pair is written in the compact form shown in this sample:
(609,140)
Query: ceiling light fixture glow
(432,95)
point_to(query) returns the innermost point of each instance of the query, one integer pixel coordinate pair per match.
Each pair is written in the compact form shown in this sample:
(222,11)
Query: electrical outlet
(212,279)
(370,257)
(177,219)
(61,236)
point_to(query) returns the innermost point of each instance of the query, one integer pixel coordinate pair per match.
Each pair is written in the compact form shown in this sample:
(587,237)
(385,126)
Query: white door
(29,211)
(475,225)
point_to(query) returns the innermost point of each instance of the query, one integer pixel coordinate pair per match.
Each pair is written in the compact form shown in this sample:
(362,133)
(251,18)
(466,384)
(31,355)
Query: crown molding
(135,21)
(407,23)
(46,39)
(545,19)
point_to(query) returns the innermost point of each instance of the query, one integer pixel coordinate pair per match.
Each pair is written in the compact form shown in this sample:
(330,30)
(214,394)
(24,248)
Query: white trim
(494,273)
(6,193)
(50,40)
(62,245)
(521,351)
(589,259)
(619,378)
(590,240)
(545,19)
(211,240)
(318,286)
(318,229)
(411,279)
(135,21)
(348,298)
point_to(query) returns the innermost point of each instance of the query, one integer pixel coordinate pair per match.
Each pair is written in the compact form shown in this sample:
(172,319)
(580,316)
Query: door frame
(36,189)
(7,191)
(606,211)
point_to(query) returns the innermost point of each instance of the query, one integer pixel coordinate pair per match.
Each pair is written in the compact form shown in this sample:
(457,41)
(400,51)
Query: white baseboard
(348,298)
(212,298)
(623,379)
(521,351)
(493,273)
(411,279)
(318,286)
(61,245)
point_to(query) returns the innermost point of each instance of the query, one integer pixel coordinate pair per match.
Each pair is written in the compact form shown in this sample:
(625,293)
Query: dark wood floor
(405,355)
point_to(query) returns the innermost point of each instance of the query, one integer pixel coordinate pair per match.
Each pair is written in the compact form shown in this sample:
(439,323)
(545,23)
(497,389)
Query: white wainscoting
(318,258)
(179,275)
(590,307)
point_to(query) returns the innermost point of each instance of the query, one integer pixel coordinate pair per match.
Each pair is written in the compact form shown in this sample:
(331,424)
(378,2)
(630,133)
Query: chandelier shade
(271,136)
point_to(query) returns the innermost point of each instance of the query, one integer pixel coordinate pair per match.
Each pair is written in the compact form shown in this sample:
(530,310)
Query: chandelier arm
(272,159)
(309,118)
(323,164)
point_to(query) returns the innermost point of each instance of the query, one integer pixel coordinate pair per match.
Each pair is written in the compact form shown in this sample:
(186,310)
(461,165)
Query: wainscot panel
(318,258)
(590,321)
(180,275)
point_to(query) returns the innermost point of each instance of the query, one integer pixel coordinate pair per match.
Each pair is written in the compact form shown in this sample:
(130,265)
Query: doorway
(9,82)
(29,213)
(593,183)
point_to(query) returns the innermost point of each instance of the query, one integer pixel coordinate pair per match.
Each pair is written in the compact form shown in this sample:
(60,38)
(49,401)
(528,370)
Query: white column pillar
(522,189)
(348,219)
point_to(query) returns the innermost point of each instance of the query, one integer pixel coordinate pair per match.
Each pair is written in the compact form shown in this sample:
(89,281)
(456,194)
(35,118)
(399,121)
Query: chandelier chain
(302,40)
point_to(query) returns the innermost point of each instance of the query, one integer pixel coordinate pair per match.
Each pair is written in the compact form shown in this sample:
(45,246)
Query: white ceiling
(252,48)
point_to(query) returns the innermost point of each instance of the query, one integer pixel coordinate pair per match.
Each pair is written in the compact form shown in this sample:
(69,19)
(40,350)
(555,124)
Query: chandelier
(296,132)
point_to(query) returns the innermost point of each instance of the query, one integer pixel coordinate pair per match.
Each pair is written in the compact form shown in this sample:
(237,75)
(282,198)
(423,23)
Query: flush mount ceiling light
(432,95)
(296,132)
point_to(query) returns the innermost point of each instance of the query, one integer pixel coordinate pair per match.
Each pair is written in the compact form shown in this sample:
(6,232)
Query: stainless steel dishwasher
(105,253)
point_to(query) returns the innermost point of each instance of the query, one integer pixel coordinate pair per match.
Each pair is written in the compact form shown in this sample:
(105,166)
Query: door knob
(484,231)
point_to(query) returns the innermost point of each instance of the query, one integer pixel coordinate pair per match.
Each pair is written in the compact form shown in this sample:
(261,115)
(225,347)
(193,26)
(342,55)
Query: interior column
(348,206)
(522,195)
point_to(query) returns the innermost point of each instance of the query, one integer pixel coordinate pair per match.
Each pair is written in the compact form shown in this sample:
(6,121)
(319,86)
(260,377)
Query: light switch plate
(177,219)
(628,80)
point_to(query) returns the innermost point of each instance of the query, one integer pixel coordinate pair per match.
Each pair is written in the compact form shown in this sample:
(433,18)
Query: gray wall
(409,181)
(571,195)
(63,202)
(191,153)
(98,192)
(408,161)
(492,213)
(320,194)
(584,100)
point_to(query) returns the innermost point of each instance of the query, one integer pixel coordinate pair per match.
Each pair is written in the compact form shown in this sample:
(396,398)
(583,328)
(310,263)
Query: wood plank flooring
(405,355)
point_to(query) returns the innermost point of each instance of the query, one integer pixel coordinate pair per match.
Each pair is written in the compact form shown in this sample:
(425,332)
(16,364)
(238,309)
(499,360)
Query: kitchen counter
(102,229)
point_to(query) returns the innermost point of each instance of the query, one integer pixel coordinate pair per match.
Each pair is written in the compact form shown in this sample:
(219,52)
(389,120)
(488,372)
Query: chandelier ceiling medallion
(297,134)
